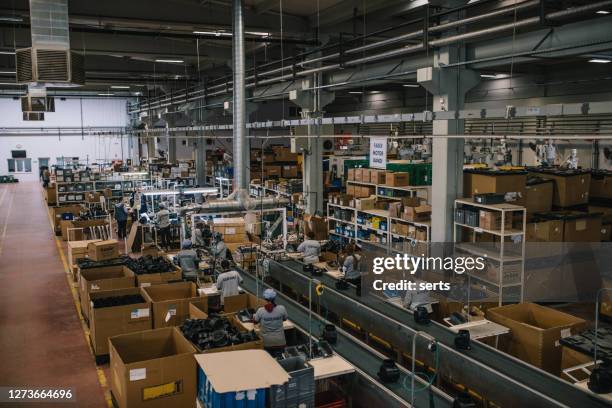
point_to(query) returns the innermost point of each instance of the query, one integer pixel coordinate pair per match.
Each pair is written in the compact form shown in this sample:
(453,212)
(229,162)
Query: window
(19,165)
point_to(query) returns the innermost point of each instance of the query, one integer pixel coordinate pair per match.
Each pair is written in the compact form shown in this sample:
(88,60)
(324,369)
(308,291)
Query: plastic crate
(209,398)
(299,391)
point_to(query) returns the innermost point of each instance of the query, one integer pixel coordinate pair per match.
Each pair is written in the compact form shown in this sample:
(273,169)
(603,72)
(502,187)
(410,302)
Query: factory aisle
(42,343)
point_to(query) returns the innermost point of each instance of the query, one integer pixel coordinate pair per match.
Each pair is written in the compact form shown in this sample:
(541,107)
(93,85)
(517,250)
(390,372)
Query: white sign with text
(378,152)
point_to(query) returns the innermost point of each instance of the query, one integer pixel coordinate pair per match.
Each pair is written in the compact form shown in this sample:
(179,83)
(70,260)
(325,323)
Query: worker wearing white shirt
(310,248)
(228,281)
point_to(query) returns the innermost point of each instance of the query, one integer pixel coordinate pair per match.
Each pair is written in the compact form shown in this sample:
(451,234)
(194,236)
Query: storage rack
(381,190)
(390,241)
(509,264)
(76,191)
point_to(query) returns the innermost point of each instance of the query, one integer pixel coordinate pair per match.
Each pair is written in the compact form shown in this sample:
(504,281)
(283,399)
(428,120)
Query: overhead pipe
(447,40)
(239,104)
(239,204)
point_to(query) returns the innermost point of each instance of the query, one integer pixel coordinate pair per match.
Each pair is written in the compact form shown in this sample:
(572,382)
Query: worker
(188,261)
(310,248)
(271,317)
(198,241)
(121,216)
(46,177)
(350,268)
(218,248)
(228,280)
(206,235)
(163,224)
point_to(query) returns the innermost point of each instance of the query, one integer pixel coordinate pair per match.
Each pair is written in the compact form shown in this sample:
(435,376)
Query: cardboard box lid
(241,370)
(102,243)
(81,244)
(170,291)
(228,221)
(535,316)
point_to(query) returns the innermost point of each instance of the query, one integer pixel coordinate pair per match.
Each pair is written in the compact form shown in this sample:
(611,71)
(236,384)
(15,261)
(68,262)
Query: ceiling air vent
(50,66)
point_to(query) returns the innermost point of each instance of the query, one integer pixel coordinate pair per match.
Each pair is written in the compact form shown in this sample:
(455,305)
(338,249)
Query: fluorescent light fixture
(120,86)
(599,60)
(215,33)
(374,92)
(7,52)
(488,76)
(208,191)
(355,92)
(7,72)
(170,61)
(602,12)
(411,85)
(9,83)
(160,192)
(106,94)
(12,19)
(259,33)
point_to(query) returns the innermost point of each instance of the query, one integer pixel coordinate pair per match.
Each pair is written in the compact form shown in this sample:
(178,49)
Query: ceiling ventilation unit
(49,62)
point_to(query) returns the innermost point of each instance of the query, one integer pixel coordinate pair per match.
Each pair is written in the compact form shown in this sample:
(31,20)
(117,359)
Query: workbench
(479,329)
(330,367)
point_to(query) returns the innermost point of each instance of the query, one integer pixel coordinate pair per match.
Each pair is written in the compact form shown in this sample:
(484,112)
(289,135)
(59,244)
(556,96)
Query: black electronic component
(215,332)
(600,381)
(464,400)
(330,334)
(462,340)
(421,315)
(388,371)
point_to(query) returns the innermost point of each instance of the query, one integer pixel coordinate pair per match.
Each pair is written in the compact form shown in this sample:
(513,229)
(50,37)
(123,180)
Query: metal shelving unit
(379,188)
(507,263)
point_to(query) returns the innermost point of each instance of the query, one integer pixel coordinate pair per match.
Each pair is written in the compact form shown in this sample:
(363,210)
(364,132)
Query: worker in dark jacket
(121,215)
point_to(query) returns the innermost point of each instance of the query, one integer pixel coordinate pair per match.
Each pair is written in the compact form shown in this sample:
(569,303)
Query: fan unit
(27,116)
(49,66)
(31,103)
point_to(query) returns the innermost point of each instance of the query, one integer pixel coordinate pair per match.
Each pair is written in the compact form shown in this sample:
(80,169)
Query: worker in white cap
(271,317)
(188,261)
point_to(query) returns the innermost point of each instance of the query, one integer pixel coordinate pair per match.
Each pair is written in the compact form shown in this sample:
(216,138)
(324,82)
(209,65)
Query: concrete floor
(42,341)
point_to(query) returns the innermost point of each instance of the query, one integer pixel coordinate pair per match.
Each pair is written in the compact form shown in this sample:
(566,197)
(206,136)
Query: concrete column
(171,146)
(448,86)
(200,160)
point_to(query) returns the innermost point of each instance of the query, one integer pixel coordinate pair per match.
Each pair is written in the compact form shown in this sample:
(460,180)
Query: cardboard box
(103,250)
(273,171)
(571,188)
(399,179)
(359,174)
(78,250)
(535,332)
(365,175)
(538,197)
(399,228)
(170,302)
(395,209)
(350,175)
(481,182)
(378,177)
(420,213)
(107,322)
(601,185)
(421,234)
(250,345)
(492,220)
(316,224)
(240,372)
(544,231)
(365,203)
(103,278)
(153,369)
(233,304)
(159,278)
(584,229)
(290,171)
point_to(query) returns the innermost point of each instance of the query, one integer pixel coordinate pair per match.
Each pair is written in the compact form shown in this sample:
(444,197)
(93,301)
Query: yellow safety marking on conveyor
(349,323)
(101,377)
(379,340)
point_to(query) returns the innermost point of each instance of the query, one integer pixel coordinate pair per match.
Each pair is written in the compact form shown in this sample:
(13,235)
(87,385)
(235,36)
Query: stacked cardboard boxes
(102,279)
(571,187)
(170,302)
(233,229)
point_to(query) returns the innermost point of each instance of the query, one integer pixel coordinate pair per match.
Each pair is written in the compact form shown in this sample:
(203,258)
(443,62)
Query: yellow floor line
(101,376)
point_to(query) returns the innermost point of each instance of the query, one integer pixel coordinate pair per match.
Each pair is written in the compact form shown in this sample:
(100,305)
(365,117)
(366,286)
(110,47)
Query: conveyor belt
(500,377)
(362,356)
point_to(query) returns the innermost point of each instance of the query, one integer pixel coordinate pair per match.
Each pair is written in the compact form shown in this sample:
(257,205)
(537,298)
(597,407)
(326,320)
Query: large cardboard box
(229,226)
(170,302)
(601,184)
(103,278)
(365,203)
(359,174)
(153,369)
(378,177)
(273,171)
(481,182)
(538,197)
(418,213)
(78,250)
(58,211)
(158,278)
(582,229)
(492,220)
(316,224)
(103,250)
(290,171)
(350,175)
(107,322)
(545,231)
(571,186)
(399,179)
(535,332)
(233,304)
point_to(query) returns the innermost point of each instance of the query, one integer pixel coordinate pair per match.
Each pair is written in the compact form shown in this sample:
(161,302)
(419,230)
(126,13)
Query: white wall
(96,112)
